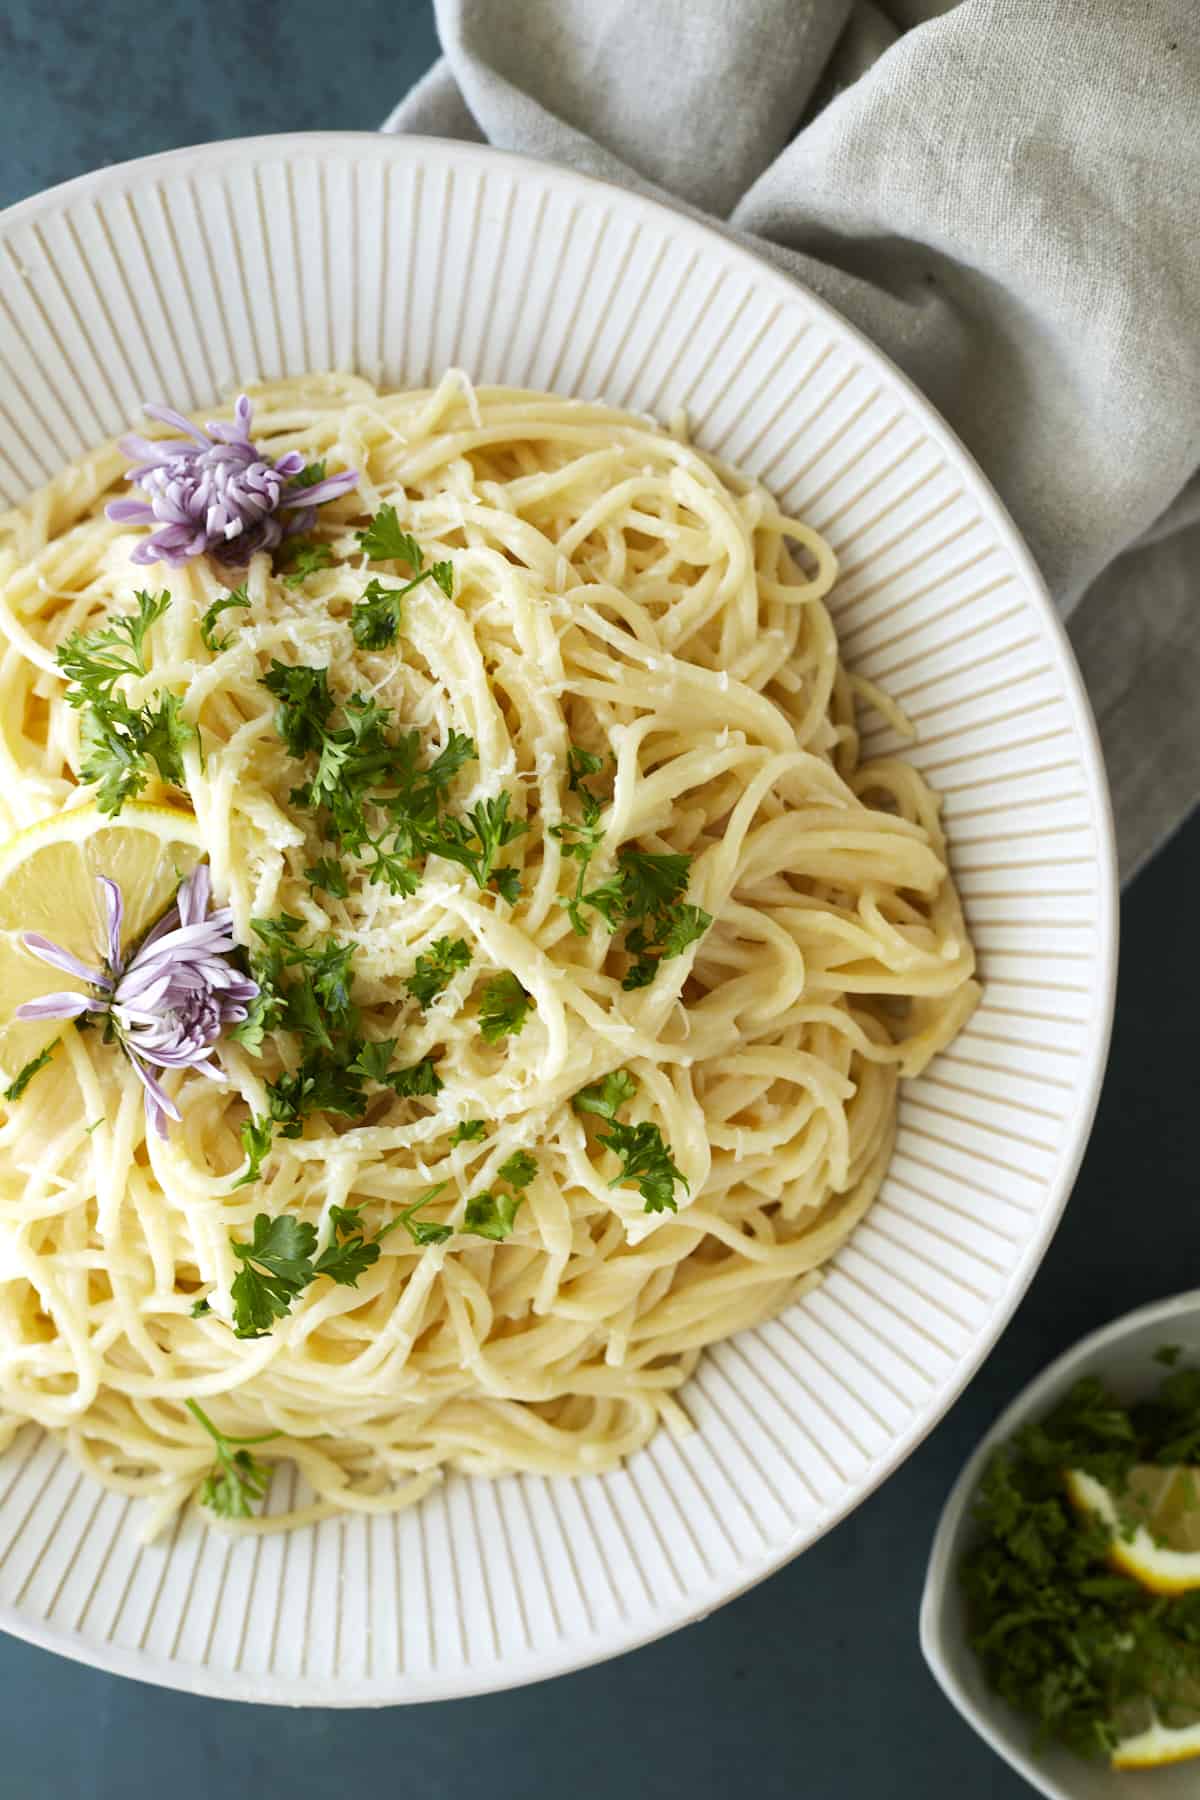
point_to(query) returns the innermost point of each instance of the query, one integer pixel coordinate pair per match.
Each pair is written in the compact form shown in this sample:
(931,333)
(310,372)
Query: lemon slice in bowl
(1154,1520)
(1157,1746)
(48,884)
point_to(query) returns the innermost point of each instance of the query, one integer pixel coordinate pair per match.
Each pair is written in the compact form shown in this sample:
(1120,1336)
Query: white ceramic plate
(183,275)
(1123,1355)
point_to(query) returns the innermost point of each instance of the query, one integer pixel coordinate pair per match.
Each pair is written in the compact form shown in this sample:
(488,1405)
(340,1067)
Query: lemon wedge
(48,885)
(1155,1522)
(1157,1746)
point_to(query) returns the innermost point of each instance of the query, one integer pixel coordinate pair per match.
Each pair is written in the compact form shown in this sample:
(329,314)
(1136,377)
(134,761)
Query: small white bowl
(1123,1354)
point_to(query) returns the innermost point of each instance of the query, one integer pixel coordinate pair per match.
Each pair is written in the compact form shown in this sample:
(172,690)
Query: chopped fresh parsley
(468,1132)
(1083,1650)
(236,597)
(434,972)
(607,1097)
(645,1158)
(376,619)
(350,1252)
(420,1078)
(309,475)
(374,795)
(328,875)
(385,540)
(477,841)
(24,1076)
(503,1007)
(199,1307)
(422,1231)
(646,1162)
(94,661)
(491,1215)
(121,741)
(236,1481)
(518,1170)
(644,894)
(303,557)
(256,1142)
(280,1262)
(305,704)
(276,1266)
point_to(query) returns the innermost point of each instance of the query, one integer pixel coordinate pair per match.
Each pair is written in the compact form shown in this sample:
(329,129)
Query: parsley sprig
(375,620)
(236,598)
(493,1213)
(434,971)
(279,1263)
(237,1481)
(645,894)
(645,1157)
(503,1007)
(122,743)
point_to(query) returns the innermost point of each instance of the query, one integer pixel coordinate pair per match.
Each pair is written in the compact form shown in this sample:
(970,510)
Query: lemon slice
(48,884)
(1157,1746)
(1155,1522)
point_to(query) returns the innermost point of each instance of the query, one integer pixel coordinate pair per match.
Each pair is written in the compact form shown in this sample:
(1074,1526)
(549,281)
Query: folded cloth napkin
(1003,194)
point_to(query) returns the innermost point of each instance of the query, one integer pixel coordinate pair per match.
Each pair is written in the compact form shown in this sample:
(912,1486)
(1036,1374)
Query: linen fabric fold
(1003,194)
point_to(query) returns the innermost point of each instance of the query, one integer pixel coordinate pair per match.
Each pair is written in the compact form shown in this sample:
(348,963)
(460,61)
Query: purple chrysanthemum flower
(170,1004)
(216,493)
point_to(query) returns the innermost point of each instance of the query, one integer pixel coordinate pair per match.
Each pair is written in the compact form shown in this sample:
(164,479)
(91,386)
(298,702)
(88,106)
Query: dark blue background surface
(812,1686)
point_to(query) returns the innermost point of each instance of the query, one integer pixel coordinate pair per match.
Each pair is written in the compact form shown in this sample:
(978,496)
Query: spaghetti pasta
(615,590)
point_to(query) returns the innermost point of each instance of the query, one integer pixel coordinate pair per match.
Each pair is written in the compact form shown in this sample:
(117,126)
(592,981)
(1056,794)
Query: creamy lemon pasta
(546,960)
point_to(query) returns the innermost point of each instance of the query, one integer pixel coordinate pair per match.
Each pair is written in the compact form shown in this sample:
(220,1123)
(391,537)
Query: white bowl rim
(939,1574)
(117,176)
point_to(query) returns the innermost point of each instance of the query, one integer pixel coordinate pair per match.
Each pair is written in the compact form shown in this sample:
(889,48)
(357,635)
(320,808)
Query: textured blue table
(812,1686)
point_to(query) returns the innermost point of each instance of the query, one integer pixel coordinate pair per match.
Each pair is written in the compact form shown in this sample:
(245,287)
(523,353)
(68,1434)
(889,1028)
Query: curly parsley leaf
(318,1085)
(276,1266)
(518,1170)
(476,841)
(375,619)
(305,704)
(468,1132)
(256,1135)
(25,1075)
(351,1253)
(237,1481)
(491,1215)
(94,661)
(329,876)
(303,557)
(606,1098)
(422,1231)
(121,741)
(236,597)
(418,1080)
(385,540)
(645,1161)
(503,1007)
(433,973)
(309,475)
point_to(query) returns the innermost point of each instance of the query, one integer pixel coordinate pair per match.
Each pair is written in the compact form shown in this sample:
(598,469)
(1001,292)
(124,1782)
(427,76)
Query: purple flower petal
(320,491)
(58,958)
(159,1106)
(166,415)
(59,1006)
(129,512)
(114,910)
